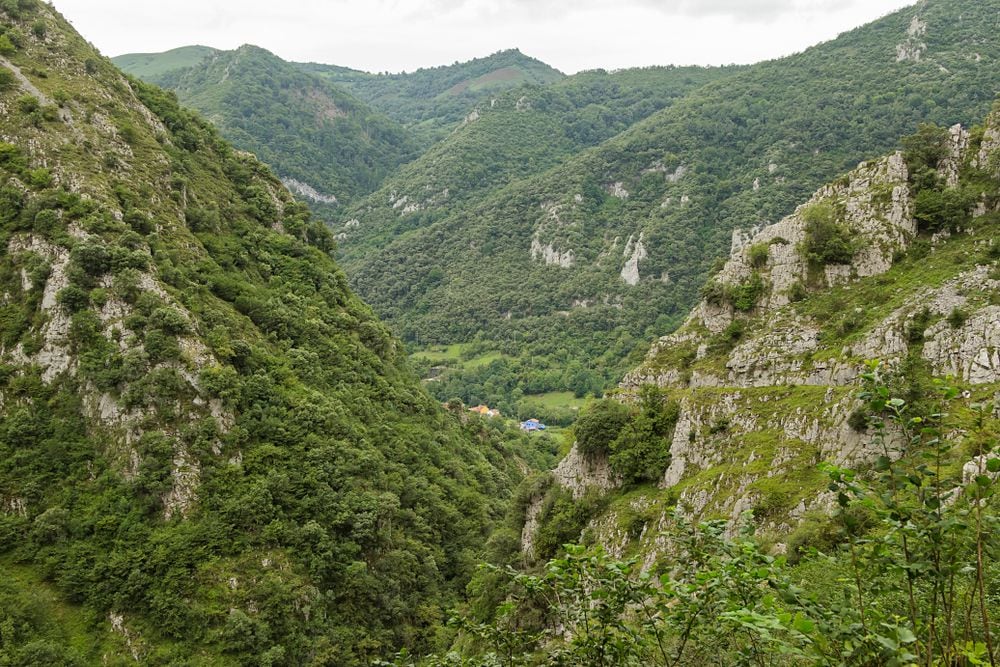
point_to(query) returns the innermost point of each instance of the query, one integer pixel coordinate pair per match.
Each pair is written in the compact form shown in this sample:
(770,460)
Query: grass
(77,626)
(556,399)
(455,356)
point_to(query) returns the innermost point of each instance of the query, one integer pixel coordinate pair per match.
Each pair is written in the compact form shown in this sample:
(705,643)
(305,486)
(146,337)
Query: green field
(455,356)
(557,399)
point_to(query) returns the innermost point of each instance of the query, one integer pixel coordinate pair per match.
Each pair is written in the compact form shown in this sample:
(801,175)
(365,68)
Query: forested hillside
(323,142)
(507,138)
(211,452)
(808,471)
(567,272)
(431,101)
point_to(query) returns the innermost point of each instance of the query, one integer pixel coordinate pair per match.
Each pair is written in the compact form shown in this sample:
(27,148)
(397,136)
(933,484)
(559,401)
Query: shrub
(945,209)
(73,298)
(93,258)
(714,292)
(6,46)
(827,241)
(957,318)
(7,79)
(922,152)
(641,452)
(28,103)
(797,292)
(744,297)
(599,425)
(757,255)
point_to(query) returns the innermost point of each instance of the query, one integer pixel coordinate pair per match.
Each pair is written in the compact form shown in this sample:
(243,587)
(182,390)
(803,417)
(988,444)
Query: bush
(757,255)
(938,210)
(922,152)
(28,103)
(827,241)
(744,297)
(7,79)
(73,298)
(599,425)
(641,452)
(957,318)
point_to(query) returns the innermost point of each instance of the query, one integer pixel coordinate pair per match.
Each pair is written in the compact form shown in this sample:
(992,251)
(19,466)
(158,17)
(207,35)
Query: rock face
(634,253)
(308,191)
(767,390)
(550,255)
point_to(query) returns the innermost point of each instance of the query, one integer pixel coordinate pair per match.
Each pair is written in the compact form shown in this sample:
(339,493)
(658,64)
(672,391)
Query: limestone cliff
(766,368)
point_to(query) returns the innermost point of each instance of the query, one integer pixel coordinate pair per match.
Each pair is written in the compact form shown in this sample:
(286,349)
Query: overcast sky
(402,35)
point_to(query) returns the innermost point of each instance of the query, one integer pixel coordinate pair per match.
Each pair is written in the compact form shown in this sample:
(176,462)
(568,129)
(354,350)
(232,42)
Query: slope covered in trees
(431,101)
(211,452)
(579,265)
(808,471)
(306,129)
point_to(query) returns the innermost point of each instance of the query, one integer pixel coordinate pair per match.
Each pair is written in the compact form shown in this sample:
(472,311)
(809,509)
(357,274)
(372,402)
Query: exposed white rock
(912,48)
(579,473)
(550,255)
(185,476)
(958,144)
(618,190)
(971,352)
(308,191)
(531,523)
(634,253)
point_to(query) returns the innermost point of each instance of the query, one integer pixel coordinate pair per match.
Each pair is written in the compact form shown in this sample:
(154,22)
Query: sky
(403,35)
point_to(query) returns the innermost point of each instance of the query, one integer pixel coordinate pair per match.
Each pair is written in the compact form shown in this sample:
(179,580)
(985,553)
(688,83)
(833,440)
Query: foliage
(329,509)
(641,451)
(599,425)
(461,268)
(911,585)
(827,241)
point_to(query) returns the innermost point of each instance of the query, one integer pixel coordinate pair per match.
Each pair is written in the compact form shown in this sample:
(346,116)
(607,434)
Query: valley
(490,364)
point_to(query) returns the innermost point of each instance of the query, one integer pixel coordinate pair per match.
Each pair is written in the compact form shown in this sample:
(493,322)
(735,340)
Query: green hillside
(508,139)
(568,272)
(321,140)
(151,66)
(211,451)
(807,472)
(431,101)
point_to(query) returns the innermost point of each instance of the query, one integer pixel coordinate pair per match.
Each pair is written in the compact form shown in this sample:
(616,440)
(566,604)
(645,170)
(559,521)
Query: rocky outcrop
(579,473)
(768,392)
(634,253)
(550,254)
(308,191)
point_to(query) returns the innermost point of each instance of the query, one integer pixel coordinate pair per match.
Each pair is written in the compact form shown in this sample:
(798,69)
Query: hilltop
(325,144)
(431,101)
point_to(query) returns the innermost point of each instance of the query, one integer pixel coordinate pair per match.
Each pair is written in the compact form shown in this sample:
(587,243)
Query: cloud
(744,10)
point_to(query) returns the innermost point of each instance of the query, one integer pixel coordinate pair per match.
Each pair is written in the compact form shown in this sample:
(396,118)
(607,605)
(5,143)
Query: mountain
(895,261)
(325,144)
(150,66)
(797,473)
(505,139)
(211,451)
(575,267)
(431,101)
